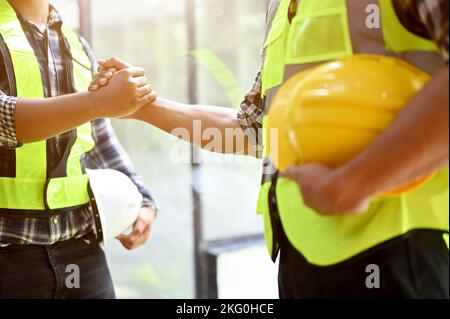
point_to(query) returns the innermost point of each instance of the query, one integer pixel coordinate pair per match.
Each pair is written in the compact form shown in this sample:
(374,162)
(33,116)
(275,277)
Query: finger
(97,76)
(141,81)
(139,228)
(114,63)
(121,237)
(135,240)
(108,74)
(363,208)
(293,172)
(147,231)
(152,97)
(136,71)
(142,238)
(148,99)
(126,243)
(105,74)
(143,91)
(96,84)
(102,81)
(93,87)
(97,79)
(127,240)
(131,243)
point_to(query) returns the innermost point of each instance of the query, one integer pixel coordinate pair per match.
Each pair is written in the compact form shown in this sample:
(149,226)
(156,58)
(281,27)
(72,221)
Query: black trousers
(74,269)
(415,266)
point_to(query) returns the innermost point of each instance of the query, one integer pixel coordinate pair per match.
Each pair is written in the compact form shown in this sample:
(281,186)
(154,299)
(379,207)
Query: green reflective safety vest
(32,188)
(322,31)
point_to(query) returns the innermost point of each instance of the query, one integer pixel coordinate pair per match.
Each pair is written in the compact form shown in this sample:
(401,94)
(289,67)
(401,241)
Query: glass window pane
(230,34)
(152,35)
(246,274)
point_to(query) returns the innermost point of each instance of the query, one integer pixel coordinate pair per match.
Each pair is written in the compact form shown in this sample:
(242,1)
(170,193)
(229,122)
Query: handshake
(120,89)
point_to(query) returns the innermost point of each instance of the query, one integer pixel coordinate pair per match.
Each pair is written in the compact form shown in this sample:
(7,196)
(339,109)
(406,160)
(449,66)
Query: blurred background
(207,241)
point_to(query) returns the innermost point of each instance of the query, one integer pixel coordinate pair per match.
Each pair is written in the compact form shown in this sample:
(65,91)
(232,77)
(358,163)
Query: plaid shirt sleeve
(108,153)
(434,15)
(251,115)
(8,137)
(429,15)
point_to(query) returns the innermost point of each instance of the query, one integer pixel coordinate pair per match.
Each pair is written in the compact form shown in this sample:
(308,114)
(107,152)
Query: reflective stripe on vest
(320,32)
(26,190)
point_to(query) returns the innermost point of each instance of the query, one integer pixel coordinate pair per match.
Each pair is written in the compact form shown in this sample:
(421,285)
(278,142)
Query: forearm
(415,145)
(210,127)
(40,119)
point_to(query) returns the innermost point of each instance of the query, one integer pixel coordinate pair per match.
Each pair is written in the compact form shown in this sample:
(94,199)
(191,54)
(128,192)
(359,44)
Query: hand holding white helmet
(118,201)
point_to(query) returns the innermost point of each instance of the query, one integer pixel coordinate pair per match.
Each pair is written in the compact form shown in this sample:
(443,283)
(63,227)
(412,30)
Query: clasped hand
(126,88)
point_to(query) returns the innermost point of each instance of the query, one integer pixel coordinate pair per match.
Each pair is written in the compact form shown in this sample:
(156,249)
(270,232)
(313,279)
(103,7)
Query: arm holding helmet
(416,144)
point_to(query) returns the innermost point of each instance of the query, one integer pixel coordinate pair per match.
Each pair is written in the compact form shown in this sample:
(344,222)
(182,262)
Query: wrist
(348,188)
(148,202)
(148,111)
(153,209)
(92,105)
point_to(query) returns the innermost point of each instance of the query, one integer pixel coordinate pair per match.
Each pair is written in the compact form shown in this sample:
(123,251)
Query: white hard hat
(117,199)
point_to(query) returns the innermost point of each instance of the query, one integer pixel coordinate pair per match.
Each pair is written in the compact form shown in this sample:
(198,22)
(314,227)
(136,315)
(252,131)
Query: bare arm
(39,119)
(415,145)
(204,125)
(212,128)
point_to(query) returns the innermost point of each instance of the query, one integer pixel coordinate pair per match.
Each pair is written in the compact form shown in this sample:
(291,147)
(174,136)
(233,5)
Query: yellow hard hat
(331,113)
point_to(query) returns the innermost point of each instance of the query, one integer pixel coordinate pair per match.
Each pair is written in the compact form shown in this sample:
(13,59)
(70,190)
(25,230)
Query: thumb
(139,227)
(114,63)
(294,172)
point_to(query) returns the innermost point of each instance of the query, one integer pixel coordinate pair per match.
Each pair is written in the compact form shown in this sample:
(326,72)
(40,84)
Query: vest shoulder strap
(7,67)
(82,58)
(78,44)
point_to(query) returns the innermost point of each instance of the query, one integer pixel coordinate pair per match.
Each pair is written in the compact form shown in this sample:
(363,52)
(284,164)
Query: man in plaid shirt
(68,234)
(414,265)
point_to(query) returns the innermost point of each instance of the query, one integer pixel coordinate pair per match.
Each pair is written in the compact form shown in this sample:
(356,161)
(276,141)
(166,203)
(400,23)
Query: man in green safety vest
(333,239)
(51,129)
